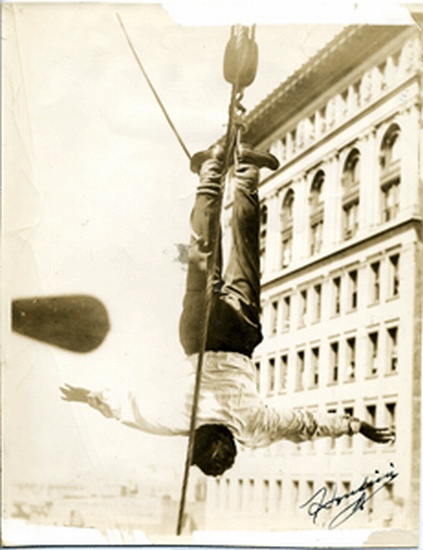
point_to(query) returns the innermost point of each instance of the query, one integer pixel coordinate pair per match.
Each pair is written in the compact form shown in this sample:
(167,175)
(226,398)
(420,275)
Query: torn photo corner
(135,139)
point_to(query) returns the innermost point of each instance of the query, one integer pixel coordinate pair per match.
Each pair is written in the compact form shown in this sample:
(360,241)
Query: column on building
(273,237)
(369,211)
(409,194)
(301,238)
(332,227)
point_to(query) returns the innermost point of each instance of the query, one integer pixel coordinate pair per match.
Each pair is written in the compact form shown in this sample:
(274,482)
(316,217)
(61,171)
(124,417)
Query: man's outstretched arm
(121,406)
(269,425)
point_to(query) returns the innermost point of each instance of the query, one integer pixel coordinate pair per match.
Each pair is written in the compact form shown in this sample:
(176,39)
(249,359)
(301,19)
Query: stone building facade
(341,249)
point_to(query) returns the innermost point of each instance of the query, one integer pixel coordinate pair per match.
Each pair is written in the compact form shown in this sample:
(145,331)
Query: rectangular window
(371,419)
(266,496)
(286,313)
(317,302)
(353,290)
(394,264)
(303,308)
(348,440)
(336,296)
(373,343)
(315,367)
(240,494)
(330,485)
(227,493)
(390,200)
(286,248)
(393,349)
(271,376)
(334,363)
(218,492)
(346,487)
(310,489)
(283,366)
(278,495)
(350,219)
(251,491)
(375,282)
(257,365)
(316,241)
(295,493)
(391,415)
(300,371)
(274,307)
(351,347)
(331,442)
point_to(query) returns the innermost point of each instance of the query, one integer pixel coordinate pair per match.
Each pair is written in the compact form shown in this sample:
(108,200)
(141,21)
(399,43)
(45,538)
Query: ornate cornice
(341,55)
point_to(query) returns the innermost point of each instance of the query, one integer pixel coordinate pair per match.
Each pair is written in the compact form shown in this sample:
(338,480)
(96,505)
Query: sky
(97,192)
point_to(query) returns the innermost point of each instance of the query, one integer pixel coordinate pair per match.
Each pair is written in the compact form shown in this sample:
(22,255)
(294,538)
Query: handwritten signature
(364,492)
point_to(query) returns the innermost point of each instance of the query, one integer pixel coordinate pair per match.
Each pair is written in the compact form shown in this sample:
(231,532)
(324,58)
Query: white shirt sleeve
(124,407)
(268,425)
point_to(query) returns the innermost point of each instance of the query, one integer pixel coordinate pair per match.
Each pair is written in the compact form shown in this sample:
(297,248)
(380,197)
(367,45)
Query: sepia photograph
(212,275)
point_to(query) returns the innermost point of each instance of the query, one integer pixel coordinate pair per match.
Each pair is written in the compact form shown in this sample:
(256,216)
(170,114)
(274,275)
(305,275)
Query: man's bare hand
(74,394)
(82,395)
(378,435)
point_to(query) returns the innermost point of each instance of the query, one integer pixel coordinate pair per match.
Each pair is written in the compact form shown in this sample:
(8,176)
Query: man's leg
(205,229)
(238,308)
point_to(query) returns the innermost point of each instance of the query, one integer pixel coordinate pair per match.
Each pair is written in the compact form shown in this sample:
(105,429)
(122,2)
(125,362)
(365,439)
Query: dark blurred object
(76,323)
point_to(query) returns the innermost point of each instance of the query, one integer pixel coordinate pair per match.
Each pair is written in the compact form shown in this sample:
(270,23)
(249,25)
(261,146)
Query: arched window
(350,194)
(390,172)
(263,234)
(316,212)
(287,219)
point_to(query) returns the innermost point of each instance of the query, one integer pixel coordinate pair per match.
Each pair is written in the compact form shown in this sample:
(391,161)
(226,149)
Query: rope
(156,95)
(239,75)
(229,147)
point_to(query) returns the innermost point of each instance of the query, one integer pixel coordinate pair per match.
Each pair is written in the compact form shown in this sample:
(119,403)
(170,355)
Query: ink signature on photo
(354,500)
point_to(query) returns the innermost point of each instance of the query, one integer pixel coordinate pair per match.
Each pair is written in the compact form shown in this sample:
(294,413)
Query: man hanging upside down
(229,407)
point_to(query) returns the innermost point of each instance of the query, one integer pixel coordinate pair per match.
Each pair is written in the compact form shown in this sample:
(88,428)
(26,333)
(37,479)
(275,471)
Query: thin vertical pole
(229,141)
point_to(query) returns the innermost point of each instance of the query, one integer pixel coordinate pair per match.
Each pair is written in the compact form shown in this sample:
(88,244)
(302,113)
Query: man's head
(214,449)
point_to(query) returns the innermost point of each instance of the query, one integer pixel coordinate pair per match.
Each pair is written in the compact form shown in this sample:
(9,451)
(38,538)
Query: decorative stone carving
(331,113)
(408,56)
(366,88)
(300,135)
